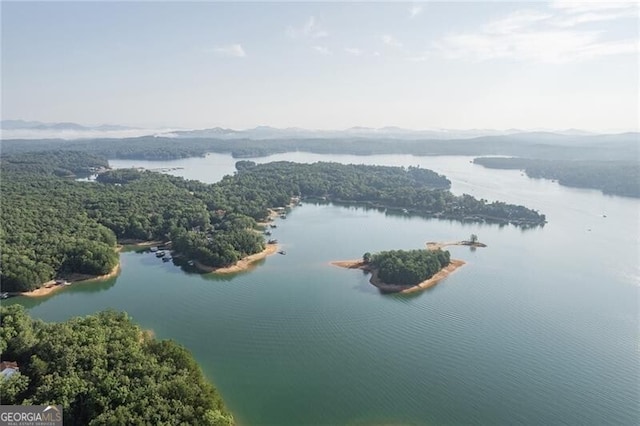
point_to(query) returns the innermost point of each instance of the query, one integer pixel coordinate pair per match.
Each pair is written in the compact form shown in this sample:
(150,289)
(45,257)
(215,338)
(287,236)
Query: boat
(272,241)
(267,232)
(283,216)
(160,254)
(190,263)
(282,252)
(153,249)
(273,226)
(405,211)
(4,295)
(166,259)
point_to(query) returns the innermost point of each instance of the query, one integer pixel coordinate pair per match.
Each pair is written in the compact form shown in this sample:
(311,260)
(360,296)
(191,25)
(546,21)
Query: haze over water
(540,327)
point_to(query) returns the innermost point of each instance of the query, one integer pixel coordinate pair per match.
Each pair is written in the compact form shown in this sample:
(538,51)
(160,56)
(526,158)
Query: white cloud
(323,50)
(609,48)
(572,6)
(540,37)
(584,18)
(515,22)
(234,50)
(415,10)
(353,51)
(390,41)
(310,29)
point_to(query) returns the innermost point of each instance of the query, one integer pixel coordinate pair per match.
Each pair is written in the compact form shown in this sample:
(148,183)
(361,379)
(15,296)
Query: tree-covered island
(53,226)
(405,271)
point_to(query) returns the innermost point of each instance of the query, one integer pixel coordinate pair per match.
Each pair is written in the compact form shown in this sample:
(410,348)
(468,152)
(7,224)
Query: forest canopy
(620,177)
(52,225)
(407,267)
(103,369)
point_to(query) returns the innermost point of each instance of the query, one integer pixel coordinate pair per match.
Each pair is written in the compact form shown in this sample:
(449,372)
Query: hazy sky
(323,65)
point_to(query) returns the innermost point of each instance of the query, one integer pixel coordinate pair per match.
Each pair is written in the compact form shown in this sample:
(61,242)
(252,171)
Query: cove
(538,328)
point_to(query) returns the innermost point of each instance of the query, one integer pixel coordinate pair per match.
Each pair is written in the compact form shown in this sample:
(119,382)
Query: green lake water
(540,327)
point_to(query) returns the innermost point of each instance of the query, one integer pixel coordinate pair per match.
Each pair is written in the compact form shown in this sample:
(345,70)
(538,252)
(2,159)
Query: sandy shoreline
(273,215)
(435,245)
(397,288)
(51,286)
(242,264)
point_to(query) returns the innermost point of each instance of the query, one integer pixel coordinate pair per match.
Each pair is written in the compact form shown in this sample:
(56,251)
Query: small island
(471,242)
(405,271)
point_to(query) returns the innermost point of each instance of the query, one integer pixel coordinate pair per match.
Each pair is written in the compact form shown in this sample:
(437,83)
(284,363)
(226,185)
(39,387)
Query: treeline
(103,369)
(59,163)
(532,145)
(407,267)
(414,189)
(44,231)
(611,177)
(53,226)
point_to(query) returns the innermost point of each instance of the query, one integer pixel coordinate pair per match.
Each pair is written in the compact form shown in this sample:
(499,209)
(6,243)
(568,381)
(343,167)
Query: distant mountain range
(21,129)
(38,125)
(267,132)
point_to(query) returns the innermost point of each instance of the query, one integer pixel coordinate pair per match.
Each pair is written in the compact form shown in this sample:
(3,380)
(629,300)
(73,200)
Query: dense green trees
(418,190)
(620,177)
(59,163)
(44,230)
(52,225)
(103,369)
(408,267)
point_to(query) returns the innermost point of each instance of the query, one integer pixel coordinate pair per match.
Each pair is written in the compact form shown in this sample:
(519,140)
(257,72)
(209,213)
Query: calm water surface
(541,327)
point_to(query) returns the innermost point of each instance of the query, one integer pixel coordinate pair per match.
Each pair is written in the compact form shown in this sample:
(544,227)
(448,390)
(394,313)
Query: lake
(540,327)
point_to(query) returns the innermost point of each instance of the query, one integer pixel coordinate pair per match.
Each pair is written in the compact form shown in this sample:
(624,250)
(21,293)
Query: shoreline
(436,245)
(443,273)
(51,287)
(453,265)
(273,215)
(243,264)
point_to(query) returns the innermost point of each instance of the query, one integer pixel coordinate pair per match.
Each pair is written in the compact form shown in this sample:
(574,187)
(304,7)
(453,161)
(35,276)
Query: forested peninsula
(585,161)
(103,369)
(52,225)
(611,177)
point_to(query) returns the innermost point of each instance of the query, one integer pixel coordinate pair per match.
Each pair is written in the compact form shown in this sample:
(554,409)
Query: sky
(457,65)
